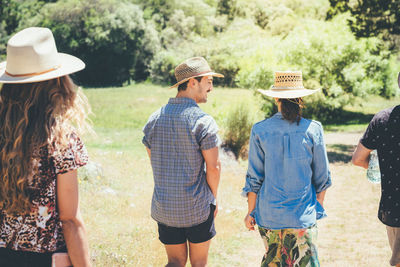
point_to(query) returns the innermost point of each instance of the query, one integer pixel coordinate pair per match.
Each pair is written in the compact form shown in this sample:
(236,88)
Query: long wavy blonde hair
(32,116)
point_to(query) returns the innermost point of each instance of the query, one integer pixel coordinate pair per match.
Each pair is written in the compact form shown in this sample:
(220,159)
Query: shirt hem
(325,187)
(391,225)
(77,166)
(183,225)
(363,142)
(286,227)
(20,249)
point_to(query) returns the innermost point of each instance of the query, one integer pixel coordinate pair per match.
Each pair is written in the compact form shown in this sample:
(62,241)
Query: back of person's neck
(185,94)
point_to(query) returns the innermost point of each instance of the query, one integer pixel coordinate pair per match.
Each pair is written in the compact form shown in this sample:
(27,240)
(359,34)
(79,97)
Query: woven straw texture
(287,84)
(191,67)
(286,79)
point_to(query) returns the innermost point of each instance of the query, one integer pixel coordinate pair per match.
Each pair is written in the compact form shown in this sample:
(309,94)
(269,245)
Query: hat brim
(214,74)
(288,93)
(68,65)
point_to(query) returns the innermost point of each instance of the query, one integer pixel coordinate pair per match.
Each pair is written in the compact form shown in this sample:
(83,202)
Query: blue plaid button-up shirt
(176,134)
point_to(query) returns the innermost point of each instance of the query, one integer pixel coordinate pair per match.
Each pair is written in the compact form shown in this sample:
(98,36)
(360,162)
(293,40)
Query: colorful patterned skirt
(290,247)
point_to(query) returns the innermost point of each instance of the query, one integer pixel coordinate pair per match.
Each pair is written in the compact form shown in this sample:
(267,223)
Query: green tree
(13,17)
(111,37)
(158,10)
(227,7)
(371,18)
(9,15)
(14,13)
(3,41)
(345,68)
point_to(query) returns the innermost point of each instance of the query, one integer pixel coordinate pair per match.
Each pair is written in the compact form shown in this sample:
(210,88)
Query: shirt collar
(182,100)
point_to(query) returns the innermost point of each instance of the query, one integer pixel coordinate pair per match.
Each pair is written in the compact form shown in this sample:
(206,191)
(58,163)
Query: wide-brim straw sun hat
(288,84)
(32,56)
(191,68)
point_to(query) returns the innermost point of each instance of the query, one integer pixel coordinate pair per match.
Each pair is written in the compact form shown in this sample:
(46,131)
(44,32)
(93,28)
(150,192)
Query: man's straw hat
(32,57)
(287,84)
(191,68)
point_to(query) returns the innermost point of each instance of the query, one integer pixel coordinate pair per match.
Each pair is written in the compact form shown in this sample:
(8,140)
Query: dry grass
(123,234)
(116,205)
(352,235)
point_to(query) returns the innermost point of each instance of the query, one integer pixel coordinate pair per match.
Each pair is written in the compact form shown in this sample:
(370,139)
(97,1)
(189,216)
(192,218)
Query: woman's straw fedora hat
(191,68)
(287,84)
(32,57)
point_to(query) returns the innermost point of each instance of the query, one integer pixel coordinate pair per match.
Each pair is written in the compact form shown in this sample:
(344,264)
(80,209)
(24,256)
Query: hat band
(195,75)
(287,88)
(32,74)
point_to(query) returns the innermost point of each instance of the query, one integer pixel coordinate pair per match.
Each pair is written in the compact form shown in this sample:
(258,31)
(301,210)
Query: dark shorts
(195,234)
(12,258)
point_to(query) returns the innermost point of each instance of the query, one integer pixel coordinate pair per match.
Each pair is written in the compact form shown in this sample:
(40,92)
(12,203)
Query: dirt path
(352,235)
(343,138)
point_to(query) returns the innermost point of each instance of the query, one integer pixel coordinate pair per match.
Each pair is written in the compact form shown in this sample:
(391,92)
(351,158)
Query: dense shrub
(3,41)
(327,53)
(162,68)
(257,70)
(179,29)
(158,10)
(233,50)
(9,15)
(110,36)
(269,106)
(15,15)
(344,68)
(165,13)
(331,58)
(226,64)
(371,18)
(246,40)
(237,131)
(228,8)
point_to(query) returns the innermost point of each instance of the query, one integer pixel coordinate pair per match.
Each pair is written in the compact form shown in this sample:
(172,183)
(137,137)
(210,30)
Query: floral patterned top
(41,230)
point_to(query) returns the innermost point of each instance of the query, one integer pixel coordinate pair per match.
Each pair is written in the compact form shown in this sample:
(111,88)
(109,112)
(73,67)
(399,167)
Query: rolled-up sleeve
(207,133)
(147,136)
(321,178)
(148,129)
(255,172)
(369,139)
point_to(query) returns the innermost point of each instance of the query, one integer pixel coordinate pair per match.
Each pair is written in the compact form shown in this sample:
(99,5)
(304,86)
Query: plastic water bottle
(373,172)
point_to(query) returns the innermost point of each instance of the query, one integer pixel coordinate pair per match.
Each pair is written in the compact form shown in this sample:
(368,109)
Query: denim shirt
(288,166)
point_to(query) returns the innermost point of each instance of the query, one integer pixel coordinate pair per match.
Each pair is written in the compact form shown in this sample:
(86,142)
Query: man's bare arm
(148,152)
(213,169)
(361,156)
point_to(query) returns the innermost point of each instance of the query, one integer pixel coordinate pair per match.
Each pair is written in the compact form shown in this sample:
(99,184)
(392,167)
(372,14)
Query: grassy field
(116,189)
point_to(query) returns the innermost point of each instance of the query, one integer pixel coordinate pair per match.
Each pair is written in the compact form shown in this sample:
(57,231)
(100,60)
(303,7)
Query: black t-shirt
(383,134)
